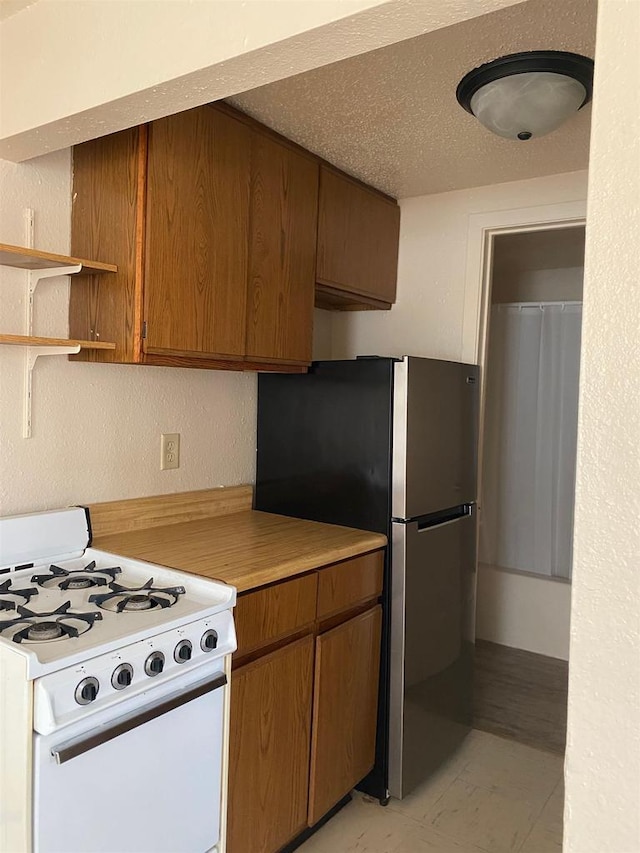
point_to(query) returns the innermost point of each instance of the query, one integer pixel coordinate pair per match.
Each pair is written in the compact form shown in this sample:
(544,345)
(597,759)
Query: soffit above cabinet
(390,116)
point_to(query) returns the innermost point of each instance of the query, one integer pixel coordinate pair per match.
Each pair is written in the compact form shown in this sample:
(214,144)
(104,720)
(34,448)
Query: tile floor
(494,796)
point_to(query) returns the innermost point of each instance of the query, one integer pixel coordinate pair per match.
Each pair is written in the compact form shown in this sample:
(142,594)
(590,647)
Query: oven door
(149,782)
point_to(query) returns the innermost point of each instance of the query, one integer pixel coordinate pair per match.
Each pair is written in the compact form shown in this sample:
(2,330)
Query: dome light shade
(527,95)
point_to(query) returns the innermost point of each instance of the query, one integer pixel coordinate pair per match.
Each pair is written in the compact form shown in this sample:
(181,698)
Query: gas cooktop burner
(58,578)
(7,589)
(146,597)
(44,631)
(44,627)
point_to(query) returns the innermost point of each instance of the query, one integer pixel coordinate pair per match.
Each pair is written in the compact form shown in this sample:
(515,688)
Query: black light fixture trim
(573,65)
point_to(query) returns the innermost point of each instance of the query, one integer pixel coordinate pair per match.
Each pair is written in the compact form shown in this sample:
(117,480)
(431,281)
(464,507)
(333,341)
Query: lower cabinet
(269,749)
(344,709)
(303,708)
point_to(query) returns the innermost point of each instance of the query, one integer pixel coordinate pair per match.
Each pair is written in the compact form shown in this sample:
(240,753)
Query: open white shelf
(32,341)
(40,265)
(33,259)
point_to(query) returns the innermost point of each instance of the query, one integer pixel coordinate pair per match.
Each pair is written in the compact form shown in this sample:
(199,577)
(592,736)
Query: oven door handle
(73,750)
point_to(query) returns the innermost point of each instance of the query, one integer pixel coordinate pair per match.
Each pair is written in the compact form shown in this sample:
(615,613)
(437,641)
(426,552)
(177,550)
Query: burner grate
(6,589)
(73,579)
(55,625)
(123,599)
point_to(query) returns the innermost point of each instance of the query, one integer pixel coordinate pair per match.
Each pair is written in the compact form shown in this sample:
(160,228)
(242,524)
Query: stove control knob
(182,652)
(209,640)
(154,664)
(122,676)
(87,690)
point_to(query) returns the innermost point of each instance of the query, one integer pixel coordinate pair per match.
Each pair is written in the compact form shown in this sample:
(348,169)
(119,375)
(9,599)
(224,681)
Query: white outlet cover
(169,450)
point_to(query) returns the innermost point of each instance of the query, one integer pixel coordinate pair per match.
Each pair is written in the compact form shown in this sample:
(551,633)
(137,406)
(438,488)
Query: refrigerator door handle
(460,513)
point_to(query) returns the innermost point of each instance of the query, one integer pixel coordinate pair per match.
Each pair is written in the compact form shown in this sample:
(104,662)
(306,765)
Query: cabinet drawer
(269,614)
(351,582)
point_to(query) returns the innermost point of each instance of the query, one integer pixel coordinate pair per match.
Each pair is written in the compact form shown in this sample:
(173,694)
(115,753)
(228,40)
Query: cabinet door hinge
(144,329)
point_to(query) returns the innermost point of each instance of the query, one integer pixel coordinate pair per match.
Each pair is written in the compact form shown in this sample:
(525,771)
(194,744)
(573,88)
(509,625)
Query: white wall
(428,320)
(602,812)
(428,317)
(322,334)
(523,611)
(96,428)
(71,70)
(560,285)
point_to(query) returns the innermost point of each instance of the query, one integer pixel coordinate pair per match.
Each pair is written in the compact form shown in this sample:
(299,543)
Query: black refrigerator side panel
(324,443)
(324,453)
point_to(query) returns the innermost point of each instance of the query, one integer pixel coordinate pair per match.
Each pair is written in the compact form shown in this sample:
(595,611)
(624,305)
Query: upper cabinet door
(284,215)
(358,233)
(197,229)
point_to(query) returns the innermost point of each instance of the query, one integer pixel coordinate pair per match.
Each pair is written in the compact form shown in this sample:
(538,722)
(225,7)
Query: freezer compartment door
(435,436)
(432,642)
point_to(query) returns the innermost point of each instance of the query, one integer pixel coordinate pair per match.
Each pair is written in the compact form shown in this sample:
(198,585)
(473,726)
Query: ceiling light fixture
(526,95)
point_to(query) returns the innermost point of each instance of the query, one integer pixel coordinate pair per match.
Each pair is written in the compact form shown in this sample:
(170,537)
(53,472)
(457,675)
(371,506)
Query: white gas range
(113,694)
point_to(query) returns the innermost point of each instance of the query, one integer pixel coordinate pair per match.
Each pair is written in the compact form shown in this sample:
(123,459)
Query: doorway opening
(530,351)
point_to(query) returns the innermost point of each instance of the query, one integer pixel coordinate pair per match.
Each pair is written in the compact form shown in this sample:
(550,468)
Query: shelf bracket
(33,279)
(33,353)
(31,357)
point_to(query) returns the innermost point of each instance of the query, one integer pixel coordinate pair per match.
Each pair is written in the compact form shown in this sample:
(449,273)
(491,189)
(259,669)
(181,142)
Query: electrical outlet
(169,450)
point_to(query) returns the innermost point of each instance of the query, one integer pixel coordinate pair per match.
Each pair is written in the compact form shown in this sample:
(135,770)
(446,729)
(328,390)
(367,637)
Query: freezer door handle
(445,518)
(73,750)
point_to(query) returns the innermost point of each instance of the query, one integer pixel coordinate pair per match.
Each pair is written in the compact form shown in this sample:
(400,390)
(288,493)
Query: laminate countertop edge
(248,549)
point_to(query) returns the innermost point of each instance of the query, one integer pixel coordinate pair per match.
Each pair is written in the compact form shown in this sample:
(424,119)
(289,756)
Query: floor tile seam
(542,823)
(421,822)
(500,791)
(459,840)
(536,821)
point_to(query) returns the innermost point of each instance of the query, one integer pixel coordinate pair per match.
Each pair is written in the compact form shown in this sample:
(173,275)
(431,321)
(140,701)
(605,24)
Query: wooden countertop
(247,549)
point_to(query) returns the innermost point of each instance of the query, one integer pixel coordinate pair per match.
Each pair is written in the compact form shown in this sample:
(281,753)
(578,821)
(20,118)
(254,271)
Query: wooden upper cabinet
(284,215)
(197,229)
(224,233)
(106,218)
(172,203)
(358,235)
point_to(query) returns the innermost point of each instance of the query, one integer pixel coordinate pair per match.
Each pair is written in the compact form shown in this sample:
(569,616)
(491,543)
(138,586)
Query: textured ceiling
(390,116)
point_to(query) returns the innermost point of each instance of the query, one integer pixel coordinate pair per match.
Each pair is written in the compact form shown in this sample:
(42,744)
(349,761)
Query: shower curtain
(529,452)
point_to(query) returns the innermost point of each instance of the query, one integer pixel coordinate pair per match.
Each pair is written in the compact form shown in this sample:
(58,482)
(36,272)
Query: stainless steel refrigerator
(390,445)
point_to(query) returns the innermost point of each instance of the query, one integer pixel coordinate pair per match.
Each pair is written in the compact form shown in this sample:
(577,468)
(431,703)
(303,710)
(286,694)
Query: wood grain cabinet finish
(269,749)
(172,202)
(358,236)
(197,230)
(350,583)
(106,217)
(344,709)
(297,747)
(282,258)
(267,615)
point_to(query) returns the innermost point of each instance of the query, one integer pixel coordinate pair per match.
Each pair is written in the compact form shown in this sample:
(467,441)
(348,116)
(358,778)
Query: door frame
(483,229)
